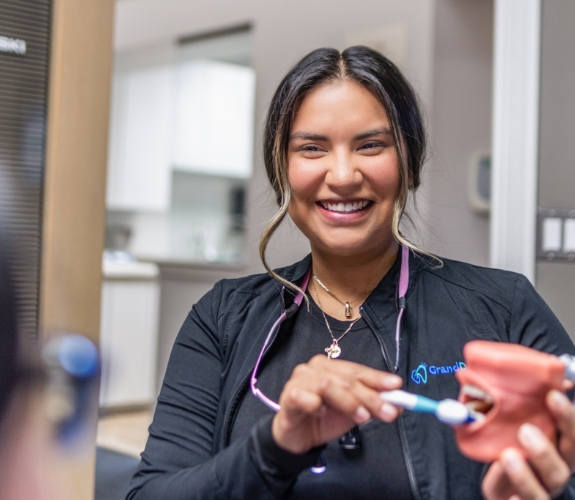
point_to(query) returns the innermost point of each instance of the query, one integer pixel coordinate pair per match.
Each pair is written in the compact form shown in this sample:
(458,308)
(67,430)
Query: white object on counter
(129,270)
(129,333)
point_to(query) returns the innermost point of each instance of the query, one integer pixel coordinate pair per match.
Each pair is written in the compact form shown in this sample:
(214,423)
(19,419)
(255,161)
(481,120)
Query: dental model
(505,386)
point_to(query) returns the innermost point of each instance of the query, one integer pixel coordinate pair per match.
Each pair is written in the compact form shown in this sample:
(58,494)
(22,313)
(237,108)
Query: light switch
(552,234)
(569,236)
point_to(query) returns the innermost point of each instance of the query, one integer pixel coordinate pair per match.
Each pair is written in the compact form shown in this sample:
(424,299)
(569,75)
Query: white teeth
(345,208)
(476,392)
(481,402)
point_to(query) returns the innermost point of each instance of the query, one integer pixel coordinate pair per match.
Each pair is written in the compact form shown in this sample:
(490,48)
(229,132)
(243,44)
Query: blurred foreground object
(46,408)
(72,365)
(49,420)
(507,383)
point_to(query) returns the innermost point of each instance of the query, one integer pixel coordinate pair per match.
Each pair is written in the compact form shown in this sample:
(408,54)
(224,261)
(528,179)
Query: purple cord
(403,285)
(253,381)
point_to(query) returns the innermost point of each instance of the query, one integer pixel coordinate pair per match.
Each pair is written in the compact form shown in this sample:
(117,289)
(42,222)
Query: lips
(345,206)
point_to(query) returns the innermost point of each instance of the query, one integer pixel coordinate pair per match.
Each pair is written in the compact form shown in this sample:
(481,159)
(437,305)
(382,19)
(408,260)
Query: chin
(340,248)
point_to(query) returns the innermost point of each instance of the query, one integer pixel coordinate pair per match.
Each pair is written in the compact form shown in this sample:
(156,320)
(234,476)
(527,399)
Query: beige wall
(74,211)
(76,156)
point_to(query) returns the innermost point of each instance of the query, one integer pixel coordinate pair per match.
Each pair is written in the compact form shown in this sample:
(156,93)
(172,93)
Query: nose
(342,175)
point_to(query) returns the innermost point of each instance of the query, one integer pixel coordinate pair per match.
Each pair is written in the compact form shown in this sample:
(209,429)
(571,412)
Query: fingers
(376,379)
(304,400)
(547,468)
(496,485)
(324,398)
(524,482)
(544,458)
(331,389)
(564,414)
(350,388)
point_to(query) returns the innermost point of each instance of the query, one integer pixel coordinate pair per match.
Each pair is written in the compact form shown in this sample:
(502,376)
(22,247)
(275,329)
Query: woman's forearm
(251,467)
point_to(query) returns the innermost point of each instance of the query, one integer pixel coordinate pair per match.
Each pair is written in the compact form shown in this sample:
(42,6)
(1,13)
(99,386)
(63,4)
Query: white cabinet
(129,335)
(139,165)
(188,114)
(213,131)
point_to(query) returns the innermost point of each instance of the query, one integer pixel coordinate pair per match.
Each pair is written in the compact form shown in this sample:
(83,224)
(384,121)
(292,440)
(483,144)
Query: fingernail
(392,381)
(362,415)
(388,412)
(531,437)
(558,401)
(512,460)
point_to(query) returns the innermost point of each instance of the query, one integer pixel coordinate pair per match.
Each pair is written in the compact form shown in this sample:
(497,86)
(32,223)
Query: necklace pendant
(333,351)
(347,310)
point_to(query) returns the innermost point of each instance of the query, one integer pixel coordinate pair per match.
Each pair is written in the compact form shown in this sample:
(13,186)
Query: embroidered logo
(419,375)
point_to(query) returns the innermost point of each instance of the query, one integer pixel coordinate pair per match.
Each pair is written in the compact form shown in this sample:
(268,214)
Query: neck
(349,277)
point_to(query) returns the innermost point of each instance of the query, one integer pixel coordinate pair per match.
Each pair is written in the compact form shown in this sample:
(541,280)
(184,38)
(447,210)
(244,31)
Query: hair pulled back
(383,79)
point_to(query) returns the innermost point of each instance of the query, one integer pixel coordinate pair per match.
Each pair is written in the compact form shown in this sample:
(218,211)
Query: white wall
(460,124)
(283,33)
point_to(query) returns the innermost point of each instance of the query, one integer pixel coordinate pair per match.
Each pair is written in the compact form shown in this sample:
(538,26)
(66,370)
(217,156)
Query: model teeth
(476,393)
(478,402)
(345,207)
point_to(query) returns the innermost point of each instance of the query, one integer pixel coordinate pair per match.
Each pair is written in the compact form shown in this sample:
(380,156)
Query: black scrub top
(377,469)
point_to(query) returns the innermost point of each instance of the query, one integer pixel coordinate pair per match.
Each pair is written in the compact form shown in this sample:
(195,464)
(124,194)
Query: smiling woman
(343,145)
(344,184)
(355,115)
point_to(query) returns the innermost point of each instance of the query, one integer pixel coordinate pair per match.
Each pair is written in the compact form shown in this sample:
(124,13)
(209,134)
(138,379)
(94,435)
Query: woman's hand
(547,469)
(324,398)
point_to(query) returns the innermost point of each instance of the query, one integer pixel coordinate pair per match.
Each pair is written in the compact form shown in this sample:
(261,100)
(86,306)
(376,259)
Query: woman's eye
(372,145)
(310,148)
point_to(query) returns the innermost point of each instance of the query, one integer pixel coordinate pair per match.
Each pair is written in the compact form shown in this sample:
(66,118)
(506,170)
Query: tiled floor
(124,432)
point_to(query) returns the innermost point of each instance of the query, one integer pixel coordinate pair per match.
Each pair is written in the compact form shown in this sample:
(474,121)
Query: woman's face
(343,170)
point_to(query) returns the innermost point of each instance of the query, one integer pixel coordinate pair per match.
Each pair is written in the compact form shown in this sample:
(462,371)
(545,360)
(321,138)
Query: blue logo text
(419,375)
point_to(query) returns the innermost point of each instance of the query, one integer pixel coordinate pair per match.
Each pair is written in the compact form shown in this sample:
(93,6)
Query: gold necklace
(334,350)
(346,303)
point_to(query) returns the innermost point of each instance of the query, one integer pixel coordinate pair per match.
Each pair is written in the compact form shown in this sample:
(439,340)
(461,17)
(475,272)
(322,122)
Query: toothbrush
(448,411)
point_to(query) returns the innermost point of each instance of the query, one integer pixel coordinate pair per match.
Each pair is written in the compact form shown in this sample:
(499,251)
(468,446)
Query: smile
(344,208)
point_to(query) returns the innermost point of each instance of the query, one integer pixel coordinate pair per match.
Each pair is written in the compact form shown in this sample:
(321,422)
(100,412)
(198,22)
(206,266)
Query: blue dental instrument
(448,411)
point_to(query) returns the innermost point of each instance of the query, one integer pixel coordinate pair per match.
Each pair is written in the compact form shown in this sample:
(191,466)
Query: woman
(344,143)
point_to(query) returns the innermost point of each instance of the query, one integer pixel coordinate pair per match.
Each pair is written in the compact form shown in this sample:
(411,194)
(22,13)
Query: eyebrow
(317,137)
(372,133)
(309,136)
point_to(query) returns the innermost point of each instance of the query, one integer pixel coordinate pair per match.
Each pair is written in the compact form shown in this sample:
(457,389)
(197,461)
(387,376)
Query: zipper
(400,424)
(386,357)
(232,407)
(236,395)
